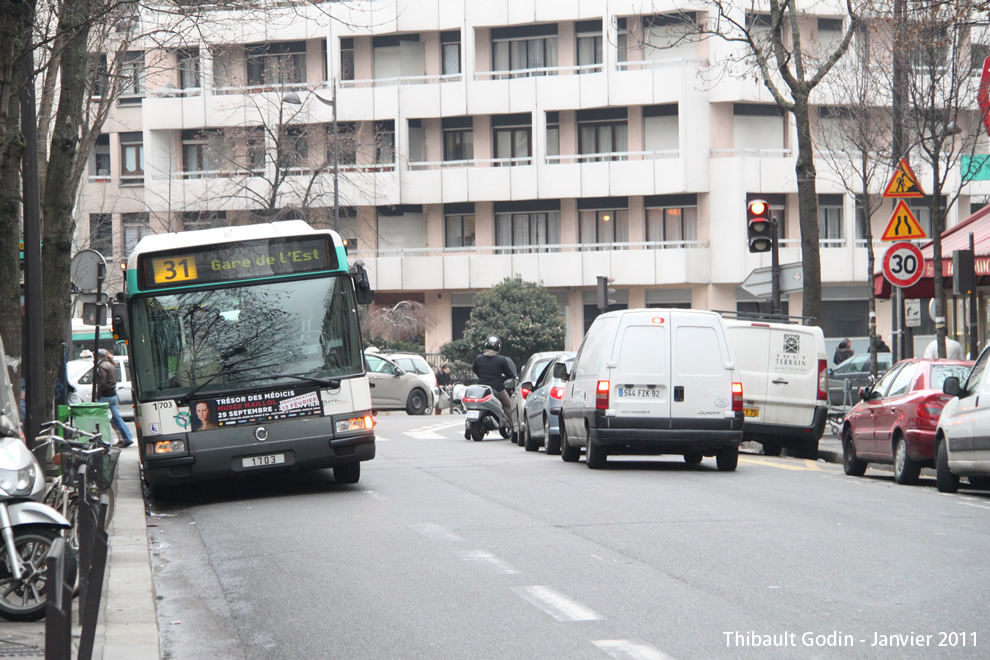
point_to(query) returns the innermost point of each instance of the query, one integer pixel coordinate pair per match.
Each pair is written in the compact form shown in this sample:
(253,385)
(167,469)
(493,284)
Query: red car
(895,421)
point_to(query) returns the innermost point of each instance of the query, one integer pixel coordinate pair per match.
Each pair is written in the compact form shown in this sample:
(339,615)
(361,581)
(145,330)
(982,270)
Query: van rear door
(752,344)
(640,376)
(701,386)
(792,390)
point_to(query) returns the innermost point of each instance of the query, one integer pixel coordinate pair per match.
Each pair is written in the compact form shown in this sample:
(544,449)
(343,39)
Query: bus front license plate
(263,461)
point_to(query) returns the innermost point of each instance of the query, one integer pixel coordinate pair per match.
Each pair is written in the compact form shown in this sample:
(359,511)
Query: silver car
(541,427)
(79,374)
(393,388)
(530,373)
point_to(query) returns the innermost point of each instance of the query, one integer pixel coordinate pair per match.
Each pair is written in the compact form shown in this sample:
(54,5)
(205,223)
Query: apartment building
(461,143)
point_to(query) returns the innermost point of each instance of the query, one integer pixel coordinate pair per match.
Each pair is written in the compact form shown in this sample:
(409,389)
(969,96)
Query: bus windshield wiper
(332,383)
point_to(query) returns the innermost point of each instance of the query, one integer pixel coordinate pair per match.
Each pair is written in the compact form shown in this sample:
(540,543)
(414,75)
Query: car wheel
(416,403)
(771,449)
(568,453)
(808,449)
(906,471)
(551,441)
(851,464)
(726,460)
(693,457)
(529,442)
(595,455)
(945,481)
(347,474)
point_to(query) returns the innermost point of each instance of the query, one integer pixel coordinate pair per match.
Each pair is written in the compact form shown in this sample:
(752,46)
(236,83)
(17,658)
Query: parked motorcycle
(484,411)
(29,529)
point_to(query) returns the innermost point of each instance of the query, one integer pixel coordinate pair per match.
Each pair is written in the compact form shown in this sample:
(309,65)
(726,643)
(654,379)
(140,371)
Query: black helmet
(493,343)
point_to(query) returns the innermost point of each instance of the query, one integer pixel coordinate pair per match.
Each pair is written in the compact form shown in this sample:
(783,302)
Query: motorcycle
(29,529)
(484,411)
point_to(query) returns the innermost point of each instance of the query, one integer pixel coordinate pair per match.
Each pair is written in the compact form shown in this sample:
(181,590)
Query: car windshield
(942,371)
(230,338)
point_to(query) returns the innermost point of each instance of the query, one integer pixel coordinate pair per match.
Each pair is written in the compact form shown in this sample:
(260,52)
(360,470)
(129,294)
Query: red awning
(953,239)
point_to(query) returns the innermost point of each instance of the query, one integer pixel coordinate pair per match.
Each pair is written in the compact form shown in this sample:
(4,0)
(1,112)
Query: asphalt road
(454,549)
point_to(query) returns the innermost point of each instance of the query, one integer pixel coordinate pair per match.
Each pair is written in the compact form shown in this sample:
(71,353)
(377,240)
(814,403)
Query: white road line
(978,506)
(623,649)
(481,555)
(424,435)
(556,605)
(375,496)
(379,438)
(438,532)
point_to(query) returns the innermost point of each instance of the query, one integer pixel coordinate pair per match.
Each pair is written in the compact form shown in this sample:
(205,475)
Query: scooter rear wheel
(25,599)
(477,432)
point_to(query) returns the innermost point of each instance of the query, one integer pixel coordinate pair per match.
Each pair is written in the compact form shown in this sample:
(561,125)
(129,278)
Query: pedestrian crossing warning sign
(903,184)
(903,226)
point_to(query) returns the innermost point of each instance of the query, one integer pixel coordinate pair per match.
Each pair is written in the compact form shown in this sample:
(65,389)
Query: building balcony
(654,81)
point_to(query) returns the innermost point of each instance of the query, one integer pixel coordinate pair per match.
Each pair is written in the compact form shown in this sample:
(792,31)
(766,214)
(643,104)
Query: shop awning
(953,239)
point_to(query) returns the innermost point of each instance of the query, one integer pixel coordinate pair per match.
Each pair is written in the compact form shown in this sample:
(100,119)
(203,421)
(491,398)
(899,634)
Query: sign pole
(774,269)
(973,349)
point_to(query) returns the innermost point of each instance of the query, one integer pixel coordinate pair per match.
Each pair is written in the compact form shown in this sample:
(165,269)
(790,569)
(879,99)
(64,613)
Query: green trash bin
(92,418)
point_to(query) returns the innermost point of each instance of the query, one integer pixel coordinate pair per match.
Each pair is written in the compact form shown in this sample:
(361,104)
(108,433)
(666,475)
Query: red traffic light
(758,225)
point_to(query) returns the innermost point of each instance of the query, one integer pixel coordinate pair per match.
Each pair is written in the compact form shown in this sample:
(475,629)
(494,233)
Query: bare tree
(404,321)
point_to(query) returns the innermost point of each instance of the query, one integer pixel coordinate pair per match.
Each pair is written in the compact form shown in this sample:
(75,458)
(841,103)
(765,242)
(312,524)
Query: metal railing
(512,74)
(656,154)
(474,162)
(751,153)
(531,249)
(402,80)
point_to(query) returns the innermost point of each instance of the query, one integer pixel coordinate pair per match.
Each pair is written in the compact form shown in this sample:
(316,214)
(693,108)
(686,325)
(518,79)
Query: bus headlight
(355,424)
(169,447)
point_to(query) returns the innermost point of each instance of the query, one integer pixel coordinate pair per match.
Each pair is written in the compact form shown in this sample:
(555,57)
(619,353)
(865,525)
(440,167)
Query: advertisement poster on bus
(255,407)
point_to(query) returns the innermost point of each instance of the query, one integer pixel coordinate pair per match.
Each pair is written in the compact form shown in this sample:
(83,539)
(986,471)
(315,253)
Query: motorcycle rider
(493,369)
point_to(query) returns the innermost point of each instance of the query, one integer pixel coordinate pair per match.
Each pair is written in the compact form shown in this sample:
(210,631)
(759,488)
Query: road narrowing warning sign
(903,225)
(903,184)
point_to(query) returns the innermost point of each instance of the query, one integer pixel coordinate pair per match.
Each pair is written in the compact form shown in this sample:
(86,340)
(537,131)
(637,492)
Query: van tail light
(930,410)
(737,396)
(469,399)
(601,395)
(823,380)
(557,392)
(524,392)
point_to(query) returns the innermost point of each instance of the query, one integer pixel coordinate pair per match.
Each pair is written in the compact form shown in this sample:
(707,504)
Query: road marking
(375,496)
(438,532)
(481,555)
(985,507)
(808,465)
(556,605)
(424,435)
(620,649)
(379,438)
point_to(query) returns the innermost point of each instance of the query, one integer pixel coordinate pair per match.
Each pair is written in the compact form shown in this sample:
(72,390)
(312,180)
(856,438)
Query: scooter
(484,411)
(29,529)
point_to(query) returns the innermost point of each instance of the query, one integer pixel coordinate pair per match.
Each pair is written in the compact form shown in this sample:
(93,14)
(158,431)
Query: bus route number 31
(175,269)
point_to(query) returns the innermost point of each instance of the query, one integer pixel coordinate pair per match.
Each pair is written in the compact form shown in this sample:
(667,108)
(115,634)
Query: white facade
(482,140)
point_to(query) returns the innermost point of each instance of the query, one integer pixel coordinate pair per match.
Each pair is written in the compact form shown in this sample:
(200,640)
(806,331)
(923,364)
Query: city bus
(246,354)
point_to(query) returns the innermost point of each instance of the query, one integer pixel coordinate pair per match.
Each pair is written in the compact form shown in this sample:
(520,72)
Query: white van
(654,381)
(784,369)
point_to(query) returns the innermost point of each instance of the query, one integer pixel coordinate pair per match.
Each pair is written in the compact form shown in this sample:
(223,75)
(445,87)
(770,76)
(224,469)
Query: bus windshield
(233,338)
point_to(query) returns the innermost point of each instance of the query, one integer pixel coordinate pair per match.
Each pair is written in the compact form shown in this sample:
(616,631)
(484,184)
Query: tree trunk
(808,211)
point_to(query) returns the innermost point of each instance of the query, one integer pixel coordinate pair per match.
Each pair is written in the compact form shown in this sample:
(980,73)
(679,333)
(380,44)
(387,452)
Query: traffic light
(758,225)
(604,292)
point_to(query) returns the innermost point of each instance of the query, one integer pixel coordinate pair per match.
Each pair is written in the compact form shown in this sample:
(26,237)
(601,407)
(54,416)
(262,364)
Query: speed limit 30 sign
(903,264)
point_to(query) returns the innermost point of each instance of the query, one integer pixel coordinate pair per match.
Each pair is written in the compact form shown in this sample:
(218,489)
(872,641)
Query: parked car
(784,371)
(393,388)
(415,363)
(962,441)
(654,381)
(896,419)
(539,426)
(856,370)
(530,372)
(79,377)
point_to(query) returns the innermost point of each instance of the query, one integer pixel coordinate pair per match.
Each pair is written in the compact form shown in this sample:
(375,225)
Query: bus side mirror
(119,314)
(362,286)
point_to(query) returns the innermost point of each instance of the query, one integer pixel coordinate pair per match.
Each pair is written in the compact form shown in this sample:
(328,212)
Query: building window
(621,39)
(100,171)
(528,51)
(101,233)
(347,143)
(672,219)
(194,220)
(292,148)
(830,220)
(602,137)
(450,52)
(187,61)
(525,229)
(459,230)
(204,153)
(922,209)
(132,76)
(136,226)
(276,63)
(845,318)
(603,227)
(667,36)
(589,46)
(347,59)
(99,74)
(131,158)
(458,138)
(553,134)
(512,137)
(385,142)
(254,139)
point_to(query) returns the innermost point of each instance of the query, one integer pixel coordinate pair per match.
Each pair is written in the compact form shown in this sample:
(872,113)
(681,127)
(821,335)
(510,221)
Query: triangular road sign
(903,226)
(903,184)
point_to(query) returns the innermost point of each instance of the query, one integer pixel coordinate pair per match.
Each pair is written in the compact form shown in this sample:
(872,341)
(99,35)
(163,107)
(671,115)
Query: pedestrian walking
(843,351)
(106,388)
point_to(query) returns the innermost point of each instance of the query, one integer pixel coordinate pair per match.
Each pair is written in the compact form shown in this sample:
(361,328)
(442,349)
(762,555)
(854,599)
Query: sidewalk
(128,626)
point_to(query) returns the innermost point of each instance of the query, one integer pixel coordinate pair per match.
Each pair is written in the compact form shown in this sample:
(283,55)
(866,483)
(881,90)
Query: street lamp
(295,99)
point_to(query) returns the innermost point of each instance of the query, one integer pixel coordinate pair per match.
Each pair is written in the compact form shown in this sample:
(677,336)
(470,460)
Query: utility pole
(897,151)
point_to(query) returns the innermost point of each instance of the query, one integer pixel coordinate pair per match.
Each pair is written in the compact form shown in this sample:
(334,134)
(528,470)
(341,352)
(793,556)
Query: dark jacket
(444,379)
(106,378)
(493,369)
(842,353)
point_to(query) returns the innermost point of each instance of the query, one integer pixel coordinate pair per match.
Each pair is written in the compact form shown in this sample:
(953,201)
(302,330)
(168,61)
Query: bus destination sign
(237,261)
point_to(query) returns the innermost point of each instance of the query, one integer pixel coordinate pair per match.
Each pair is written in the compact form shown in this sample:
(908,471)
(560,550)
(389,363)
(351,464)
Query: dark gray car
(540,427)
(856,370)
